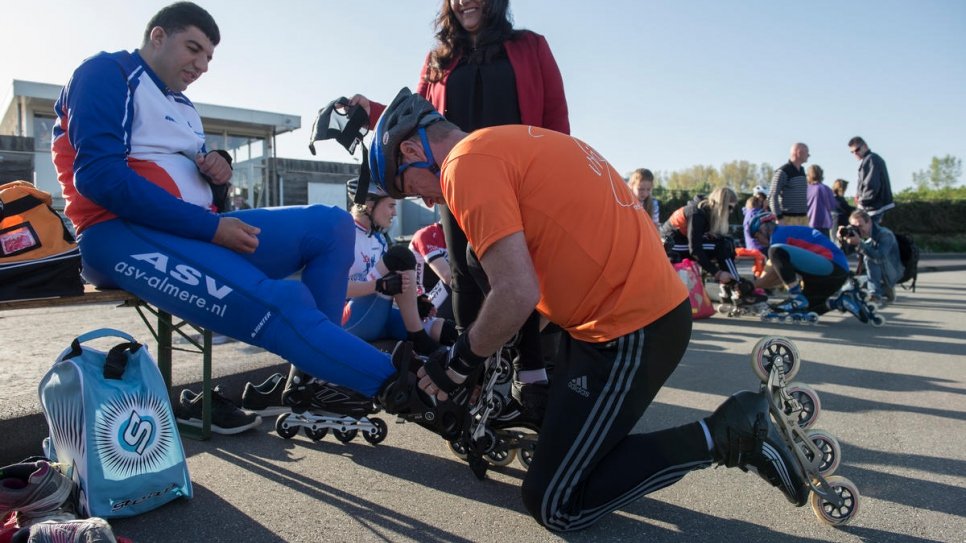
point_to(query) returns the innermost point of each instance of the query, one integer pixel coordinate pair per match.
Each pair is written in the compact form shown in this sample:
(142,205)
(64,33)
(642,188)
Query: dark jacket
(874,191)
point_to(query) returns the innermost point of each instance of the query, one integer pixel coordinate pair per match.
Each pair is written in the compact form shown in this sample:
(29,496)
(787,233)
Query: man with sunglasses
(873,193)
(557,229)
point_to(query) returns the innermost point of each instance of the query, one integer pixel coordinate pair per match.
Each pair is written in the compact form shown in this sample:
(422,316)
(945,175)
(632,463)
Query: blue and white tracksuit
(124,149)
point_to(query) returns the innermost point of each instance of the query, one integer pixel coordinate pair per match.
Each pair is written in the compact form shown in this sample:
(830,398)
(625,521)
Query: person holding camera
(880,250)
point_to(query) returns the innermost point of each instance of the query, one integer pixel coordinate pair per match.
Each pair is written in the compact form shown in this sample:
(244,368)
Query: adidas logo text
(579,385)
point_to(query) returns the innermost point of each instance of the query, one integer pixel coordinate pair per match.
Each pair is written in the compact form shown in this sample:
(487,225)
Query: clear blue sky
(663,85)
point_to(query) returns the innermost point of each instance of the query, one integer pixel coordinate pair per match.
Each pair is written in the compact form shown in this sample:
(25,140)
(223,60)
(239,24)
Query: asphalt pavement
(893,396)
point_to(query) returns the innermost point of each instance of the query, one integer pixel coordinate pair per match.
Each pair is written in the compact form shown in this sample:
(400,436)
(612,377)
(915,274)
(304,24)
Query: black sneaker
(527,406)
(226,417)
(745,437)
(265,399)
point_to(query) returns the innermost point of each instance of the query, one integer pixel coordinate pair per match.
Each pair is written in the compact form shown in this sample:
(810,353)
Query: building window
(43,132)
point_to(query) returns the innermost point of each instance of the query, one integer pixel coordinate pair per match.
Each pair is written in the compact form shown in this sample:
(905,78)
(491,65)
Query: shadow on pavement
(193,520)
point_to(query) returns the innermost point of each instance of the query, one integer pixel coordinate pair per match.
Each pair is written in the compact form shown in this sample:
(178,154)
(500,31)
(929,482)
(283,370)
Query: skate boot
(318,406)
(746,300)
(401,396)
(792,309)
(37,491)
(745,437)
(527,405)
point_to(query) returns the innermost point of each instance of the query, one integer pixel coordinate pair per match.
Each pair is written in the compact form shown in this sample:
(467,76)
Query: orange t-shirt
(602,271)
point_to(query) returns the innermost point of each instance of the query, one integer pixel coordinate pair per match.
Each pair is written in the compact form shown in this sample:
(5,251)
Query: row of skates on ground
(483,424)
(494,430)
(743,299)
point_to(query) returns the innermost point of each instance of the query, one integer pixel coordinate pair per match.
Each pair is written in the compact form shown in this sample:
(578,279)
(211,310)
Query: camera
(848,231)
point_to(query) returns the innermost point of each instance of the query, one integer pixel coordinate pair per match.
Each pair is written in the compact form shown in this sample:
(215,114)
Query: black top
(482,95)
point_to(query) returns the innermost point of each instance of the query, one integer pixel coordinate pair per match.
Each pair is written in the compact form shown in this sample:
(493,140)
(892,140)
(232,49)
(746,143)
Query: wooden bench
(162,325)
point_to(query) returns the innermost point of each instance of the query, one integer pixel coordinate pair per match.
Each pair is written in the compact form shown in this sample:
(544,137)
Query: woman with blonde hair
(700,230)
(821,200)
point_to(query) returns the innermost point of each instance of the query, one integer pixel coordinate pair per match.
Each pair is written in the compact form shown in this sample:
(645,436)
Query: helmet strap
(430,162)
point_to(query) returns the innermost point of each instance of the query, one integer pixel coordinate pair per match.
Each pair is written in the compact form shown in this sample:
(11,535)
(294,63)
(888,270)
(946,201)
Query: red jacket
(539,86)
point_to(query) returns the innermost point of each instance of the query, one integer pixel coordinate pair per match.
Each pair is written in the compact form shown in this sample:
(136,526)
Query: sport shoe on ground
(226,417)
(38,491)
(265,399)
(744,436)
(89,530)
(527,406)
(794,302)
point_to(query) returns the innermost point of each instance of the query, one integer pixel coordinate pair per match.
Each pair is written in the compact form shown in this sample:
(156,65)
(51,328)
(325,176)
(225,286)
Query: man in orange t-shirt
(555,227)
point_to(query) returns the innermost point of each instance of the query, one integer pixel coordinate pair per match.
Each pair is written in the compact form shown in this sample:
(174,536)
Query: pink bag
(690,274)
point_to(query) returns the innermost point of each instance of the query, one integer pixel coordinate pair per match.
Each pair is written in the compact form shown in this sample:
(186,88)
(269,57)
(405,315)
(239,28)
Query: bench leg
(166,330)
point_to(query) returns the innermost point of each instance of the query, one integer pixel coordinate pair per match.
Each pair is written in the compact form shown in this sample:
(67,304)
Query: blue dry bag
(111,423)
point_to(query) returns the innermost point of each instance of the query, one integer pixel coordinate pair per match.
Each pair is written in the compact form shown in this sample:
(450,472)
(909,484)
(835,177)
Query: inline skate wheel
(829,448)
(500,455)
(833,515)
(345,436)
(283,428)
(504,365)
(775,350)
(458,449)
(316,434)
(378,434)
(526,455)
(877,320)
(811,405)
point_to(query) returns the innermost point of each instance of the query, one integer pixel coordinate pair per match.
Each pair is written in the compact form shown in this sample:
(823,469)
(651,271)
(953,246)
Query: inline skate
(793,310)
(742,298)
(500,429)
(795,407)
(317,407)
(854,298)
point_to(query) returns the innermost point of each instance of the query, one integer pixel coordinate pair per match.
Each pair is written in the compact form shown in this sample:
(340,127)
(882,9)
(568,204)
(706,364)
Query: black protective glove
(389,284)
(399,258)
(459,358)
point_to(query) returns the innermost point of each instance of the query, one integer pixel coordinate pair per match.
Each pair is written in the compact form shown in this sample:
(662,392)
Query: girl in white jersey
(380,275)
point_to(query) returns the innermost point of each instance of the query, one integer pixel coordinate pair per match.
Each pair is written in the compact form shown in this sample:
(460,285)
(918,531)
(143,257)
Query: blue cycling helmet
(407,113)
(758,219)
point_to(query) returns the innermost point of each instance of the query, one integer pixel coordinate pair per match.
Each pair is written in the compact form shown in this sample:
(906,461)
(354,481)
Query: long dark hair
(452,41)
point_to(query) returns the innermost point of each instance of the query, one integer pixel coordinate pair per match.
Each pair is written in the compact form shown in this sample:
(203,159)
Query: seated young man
(130,154)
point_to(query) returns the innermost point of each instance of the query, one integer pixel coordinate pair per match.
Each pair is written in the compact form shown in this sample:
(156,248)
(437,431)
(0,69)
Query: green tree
(765,173)
(942,173)
(740,175)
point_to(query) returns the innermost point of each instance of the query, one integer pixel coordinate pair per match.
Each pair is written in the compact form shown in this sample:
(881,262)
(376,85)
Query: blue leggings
(249,297)
(374,317)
